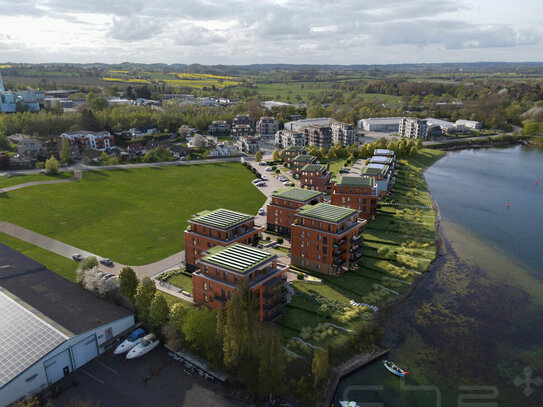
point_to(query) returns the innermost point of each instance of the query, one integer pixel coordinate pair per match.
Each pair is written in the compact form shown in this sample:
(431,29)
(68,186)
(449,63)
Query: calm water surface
(472,334)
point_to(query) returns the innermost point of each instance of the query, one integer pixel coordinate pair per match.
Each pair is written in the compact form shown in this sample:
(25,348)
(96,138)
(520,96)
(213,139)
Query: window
(205,297)
(193,241)
(324,240)
(318,256)
(205,286)
(210,287)
(324,250)
(208,245)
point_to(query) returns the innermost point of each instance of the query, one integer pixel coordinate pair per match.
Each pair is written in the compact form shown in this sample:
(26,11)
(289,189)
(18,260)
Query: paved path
(77,176)
(68,251)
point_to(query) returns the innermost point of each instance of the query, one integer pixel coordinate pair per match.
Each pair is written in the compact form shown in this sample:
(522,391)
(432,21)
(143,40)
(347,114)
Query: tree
(97,103)
(319,366)
(65,154)
(177,314)
(158,311)
(254,109)
(271,369)
(276,156)
(258,156)
(199,141)
(88,263)
(200,331)
(183,130)
(128,282)
(104,158)
(51,166)
(144,295)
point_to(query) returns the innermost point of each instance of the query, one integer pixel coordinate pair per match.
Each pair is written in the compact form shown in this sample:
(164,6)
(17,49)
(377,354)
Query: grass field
(21,179)
(182,281)
(133,216)
(60,265)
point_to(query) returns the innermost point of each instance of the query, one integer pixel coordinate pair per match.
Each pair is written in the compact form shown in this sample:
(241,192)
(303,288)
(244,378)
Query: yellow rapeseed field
(126,80)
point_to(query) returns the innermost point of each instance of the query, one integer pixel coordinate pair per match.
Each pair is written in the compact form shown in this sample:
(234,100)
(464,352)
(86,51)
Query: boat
(147,344)
(394,369)
(132,340)
(345,403)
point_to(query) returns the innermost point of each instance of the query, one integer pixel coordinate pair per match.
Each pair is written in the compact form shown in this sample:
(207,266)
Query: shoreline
(359,361)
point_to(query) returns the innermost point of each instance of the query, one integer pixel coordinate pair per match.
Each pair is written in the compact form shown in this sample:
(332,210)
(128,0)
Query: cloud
(135,28)
(191,35)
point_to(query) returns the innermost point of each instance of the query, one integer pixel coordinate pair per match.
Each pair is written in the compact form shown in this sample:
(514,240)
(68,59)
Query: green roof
(237,257)
(304,157)
(354,181)
(314,167)
(297,194)
(331,213)
(295,148)
(374,169)
(221,218)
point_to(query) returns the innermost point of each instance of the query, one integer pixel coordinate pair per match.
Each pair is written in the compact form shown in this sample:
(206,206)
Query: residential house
(242,130)
(343,133)
(224,150)
(179,151)
(382,174)
(315,177)
(30,147)
(81,140)
(247,144)
(243,119)
(220,227)
(355,192)
(223,269)
(136,149)
(219,128)
(285,203)
(300,161)
(318,136)
(292,152)
(326,238)
(143,130)
(267,127)
(287,138)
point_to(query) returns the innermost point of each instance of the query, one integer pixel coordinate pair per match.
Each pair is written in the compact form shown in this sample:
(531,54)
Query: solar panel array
(24,339)
(327,212)
(238,257)
(223,218)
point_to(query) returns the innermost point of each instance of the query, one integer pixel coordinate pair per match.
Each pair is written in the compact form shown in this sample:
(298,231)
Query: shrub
(51,166)
(280,240)
(324,311)
(274,168)
(40,165)
(383,251)
(300,276)
(268,238)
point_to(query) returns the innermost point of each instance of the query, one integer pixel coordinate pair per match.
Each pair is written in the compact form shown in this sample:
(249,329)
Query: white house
(50,326)
(470,124)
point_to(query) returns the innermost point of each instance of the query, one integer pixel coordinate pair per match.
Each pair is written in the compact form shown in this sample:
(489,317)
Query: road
(111,381)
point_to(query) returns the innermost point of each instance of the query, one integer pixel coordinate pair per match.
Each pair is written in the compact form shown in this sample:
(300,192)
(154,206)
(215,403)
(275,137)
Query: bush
(383,251)
(300,276)
(51,166)
(40,165)
(277,171)
(268,238)
(280,240)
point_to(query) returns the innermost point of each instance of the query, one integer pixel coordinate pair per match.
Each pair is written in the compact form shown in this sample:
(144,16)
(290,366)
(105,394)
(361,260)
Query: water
(472,334)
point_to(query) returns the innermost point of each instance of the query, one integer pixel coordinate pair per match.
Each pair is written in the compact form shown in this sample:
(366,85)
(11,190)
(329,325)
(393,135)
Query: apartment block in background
(343,133)
(219,128)
(220,227)
(413,128)
(326,238)
(315,177)
(286,138)
(223,269)
(285,203)
(318,136)
(354,192)
(267,127)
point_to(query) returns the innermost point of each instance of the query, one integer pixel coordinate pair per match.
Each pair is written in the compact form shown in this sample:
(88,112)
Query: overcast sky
(267,31)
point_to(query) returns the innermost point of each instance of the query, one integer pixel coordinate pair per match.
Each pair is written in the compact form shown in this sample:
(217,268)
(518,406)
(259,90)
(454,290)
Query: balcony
(337,244)
(271,306)
(356,248)
(220,299)
(356,238)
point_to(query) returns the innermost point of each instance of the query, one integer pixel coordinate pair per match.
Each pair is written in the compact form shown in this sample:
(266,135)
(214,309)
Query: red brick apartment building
(381,174)
(326,238)
(315,177)
(291,153)
(224,268)
(217,228)
(358,193)
(285,203)
(300,161)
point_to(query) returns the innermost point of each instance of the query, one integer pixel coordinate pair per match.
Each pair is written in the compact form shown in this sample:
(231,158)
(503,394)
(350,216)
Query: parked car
(286,183)
(261,211)
(256,181)
(268,169)
(264,178)
(107,262)
(78,257)
(262,163)
(261,184)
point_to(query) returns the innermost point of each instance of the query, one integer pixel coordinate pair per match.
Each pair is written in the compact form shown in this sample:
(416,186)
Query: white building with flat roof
(298,125)
(413,128)
(287,138)
(470,124)
(380,124)
(343,133)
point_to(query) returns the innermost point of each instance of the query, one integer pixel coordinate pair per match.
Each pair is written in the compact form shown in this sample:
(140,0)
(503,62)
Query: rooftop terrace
(237,257)
(374,169)
(295,148)
(327,212)
(354,181)
(221,218)
(297,194)
(383,151)
(314,167)
(304,158)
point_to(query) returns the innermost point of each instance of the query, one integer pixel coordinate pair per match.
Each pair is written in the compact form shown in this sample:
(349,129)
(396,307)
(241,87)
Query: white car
(256,181)
(147,344)
(262,163)
(264,178)
(268,169)
(78,257)
(132,340)
(261,211)
(286,183)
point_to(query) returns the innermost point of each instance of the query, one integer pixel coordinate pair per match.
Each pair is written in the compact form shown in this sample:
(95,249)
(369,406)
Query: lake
(472,334)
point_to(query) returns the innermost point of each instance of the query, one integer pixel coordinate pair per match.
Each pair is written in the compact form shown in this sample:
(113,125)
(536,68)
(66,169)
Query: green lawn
(335,165)
(182,281)
(133,216)
(60,265)
(21,179)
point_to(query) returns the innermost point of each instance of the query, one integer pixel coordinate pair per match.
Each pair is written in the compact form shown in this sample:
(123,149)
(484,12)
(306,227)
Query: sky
(243,32)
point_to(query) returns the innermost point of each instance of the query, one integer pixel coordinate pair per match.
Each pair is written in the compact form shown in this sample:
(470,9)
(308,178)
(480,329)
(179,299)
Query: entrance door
(58,366)
(85,351)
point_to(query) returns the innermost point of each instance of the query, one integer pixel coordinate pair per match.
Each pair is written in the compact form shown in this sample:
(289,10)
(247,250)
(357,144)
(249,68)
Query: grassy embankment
(409,237)
(24,178)
(133,216)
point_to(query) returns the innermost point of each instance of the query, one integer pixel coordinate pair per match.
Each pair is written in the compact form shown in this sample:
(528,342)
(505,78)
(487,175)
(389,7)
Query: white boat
(394,369)
(345,403)
(147,344)
(132,340)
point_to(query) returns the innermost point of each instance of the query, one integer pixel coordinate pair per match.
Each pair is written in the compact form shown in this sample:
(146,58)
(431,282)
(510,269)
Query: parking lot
(154,380)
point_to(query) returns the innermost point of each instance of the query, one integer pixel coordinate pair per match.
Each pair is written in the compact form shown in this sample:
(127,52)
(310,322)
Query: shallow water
(472,334)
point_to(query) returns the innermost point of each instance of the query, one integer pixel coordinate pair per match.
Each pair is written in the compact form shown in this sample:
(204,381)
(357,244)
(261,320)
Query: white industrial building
(444,124)
(413,128)
(380,124)
(299,125)
(49,326)
(470,124)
